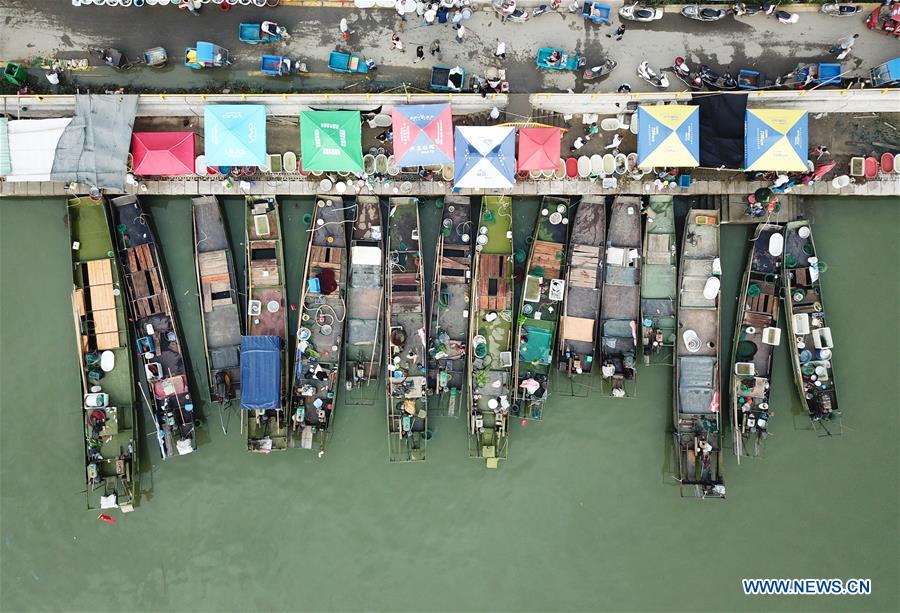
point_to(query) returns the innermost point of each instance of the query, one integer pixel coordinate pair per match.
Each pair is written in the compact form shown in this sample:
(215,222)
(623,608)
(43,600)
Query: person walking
(436,48)
(844,44)
(460,33)
(619,33)
(420,54)
(396,43)
(345,29)
(501,50)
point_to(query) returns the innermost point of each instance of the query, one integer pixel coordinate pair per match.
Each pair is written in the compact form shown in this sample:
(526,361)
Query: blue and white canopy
(668,135)
(776,139)
(235,134)
(485,157)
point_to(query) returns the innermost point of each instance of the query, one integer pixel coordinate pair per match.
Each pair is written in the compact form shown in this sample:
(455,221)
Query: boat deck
(449,331)
(317,358)
(218,291)
(659,282)
(581,310)
(365,292)
(620,305)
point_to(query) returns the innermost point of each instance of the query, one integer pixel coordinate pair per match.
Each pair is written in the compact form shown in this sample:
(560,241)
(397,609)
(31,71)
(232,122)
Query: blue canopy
(235,134)
(260,372)
(485,157)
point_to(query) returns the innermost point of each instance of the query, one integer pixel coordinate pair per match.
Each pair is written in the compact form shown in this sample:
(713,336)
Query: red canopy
(163,153)
(539,148)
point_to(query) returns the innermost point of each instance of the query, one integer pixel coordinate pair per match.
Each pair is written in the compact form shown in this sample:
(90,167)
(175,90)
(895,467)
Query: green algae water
(585,514)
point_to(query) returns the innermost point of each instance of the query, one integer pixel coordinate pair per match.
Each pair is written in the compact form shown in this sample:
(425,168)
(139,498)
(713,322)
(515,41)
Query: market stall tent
(776,140)
(485,157)
(668,136)
(163,153)
(235,134)
(539,148)
(423,134)
(331,141)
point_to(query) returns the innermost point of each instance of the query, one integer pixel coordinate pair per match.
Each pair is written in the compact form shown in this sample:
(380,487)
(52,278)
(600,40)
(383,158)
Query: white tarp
(365,255)
(32,147)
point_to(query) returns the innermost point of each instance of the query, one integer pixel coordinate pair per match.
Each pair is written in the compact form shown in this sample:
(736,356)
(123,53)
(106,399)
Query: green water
(585,514)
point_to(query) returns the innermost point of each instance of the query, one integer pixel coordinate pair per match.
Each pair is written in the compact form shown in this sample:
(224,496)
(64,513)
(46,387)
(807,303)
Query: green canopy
(331,140)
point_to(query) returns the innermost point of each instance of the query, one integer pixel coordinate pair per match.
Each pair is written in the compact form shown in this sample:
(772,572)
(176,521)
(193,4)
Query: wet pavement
(756,42)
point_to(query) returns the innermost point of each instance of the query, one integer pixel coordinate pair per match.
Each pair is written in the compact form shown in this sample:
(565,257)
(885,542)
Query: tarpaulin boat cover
(539,148)
(423,134)
(260,372)
(94,147)
(30,146)
(697,384)
(722,130)
(163,153)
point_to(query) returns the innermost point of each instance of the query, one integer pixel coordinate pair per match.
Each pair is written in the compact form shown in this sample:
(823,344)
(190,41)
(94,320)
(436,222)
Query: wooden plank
(207,298)
(79,301)
(107,340)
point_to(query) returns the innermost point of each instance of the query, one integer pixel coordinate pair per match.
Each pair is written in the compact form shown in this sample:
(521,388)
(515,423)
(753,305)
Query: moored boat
(756,334)
(109,415)
(365,294)
(620,306)
(539,310)
(659,294)
(696,414)
(449,331)
(490,331)
(405,335)
(160,348)
(263,351)
(809,335)
(584,287)
(220,313)
(320,329)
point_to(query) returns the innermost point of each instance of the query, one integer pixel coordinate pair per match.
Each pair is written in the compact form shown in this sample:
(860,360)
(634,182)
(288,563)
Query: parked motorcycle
(640,13)
(781,16)
(600,71)
(508,11)
(698,13)
(714,80)
(657,79)
(683,71)
(837,9)
(546,8)
(745,10)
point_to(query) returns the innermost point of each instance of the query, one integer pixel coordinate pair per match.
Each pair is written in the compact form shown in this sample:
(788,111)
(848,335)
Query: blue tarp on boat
(260,372)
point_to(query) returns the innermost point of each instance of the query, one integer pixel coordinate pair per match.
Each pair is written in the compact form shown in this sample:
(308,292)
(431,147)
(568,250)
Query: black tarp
(722,129)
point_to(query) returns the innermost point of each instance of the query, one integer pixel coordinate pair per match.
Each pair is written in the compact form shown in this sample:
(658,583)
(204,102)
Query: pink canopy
(163,153)
(539,148)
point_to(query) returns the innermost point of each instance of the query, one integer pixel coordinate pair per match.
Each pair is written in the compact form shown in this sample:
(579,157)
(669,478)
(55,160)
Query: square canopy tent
(539,148)
(776,140)
(163,153)
(423,135)
(235,134)
(260,372)
(485,157)
(331,141)
(668,136)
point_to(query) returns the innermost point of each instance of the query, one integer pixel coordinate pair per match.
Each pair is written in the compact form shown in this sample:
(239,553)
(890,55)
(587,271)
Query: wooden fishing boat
(104,353)
(365,294)
(219,310)
(449,331)
(166,383)
(491,329)
(659,293)
(584,286)
(263,351)
(540,307)
(756,334)
(620,306)
(405,335)
(808,331)
(320,329)
(697,418)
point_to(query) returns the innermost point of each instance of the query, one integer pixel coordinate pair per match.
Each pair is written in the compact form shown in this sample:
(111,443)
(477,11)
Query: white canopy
(32,147)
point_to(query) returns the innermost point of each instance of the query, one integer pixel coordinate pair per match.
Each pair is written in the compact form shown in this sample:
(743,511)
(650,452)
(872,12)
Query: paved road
(755,42)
